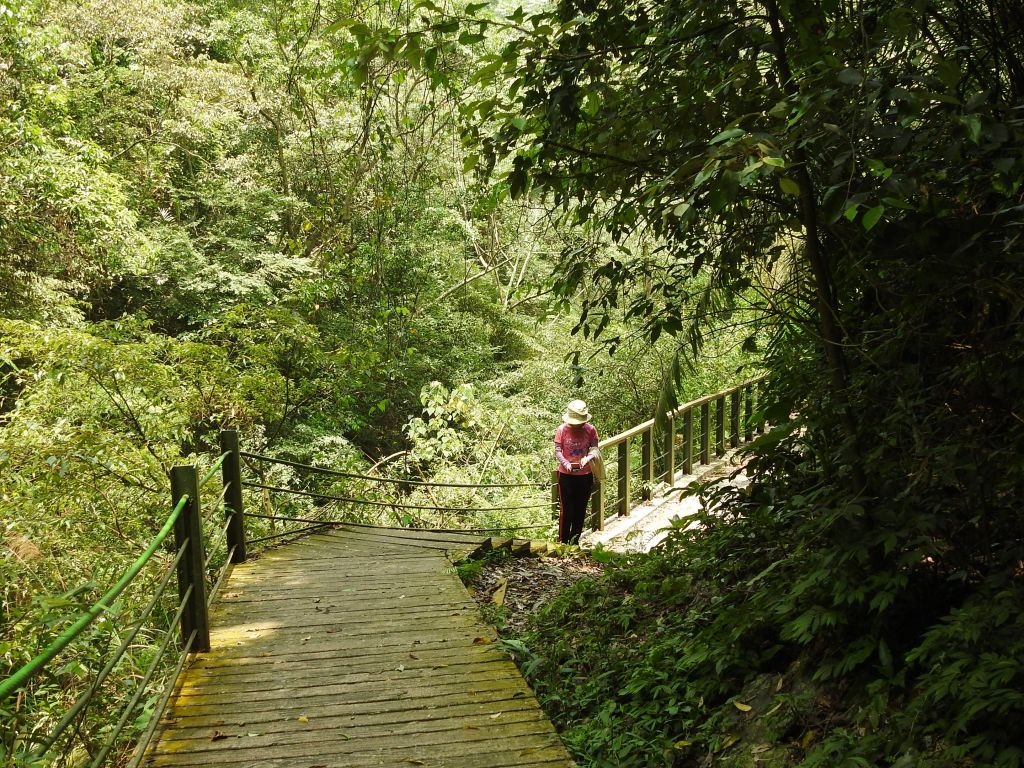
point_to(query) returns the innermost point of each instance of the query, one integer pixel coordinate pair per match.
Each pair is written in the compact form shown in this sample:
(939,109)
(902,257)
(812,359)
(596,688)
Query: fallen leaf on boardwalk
(496,715)
(741,706)
(400,668)
(414,761)
(519,694)
(302,719)
(413,656)
(439,666)
(471,727)
(482,641)
(498,598)
(307,637)
(265,653)
(217,736)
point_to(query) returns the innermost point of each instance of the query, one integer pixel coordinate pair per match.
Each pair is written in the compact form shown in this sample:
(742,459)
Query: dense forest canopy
(854,171)
(359,230)
(226,214)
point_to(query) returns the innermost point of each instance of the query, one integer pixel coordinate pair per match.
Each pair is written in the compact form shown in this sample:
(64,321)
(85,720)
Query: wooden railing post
(748,412)
(191,567)
(720,426)
(647,461)
(597,507)
(688,442)
(670,450)
(705,433)
(734,416)
(759,427)
(231,475)
(624,479)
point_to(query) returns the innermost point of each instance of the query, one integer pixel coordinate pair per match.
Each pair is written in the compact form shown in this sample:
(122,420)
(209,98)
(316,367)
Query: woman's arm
(562,462)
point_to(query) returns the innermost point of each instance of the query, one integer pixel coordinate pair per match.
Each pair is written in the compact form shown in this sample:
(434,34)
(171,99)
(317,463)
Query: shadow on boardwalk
(357,647)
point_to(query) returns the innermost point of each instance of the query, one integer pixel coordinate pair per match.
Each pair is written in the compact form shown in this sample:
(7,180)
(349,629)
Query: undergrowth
(741,644)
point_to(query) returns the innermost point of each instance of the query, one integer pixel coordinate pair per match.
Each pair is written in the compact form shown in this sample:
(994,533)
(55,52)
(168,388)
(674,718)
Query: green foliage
(223,214)
(852,178)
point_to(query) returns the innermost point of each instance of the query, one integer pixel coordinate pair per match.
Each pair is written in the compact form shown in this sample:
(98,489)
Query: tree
(855,171)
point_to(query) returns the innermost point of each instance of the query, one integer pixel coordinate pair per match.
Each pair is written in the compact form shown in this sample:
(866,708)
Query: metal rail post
(191,568)
(231,475)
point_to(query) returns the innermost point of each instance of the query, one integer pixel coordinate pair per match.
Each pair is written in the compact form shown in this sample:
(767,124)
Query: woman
(575,448)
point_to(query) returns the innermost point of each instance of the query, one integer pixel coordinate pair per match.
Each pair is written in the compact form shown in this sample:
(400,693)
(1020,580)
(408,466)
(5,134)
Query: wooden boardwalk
(357,647)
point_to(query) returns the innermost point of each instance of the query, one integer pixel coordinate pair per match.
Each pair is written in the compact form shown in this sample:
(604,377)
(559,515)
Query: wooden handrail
(740,430)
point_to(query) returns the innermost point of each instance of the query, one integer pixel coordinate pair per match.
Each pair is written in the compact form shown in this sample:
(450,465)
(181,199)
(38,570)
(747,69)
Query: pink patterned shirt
(572,443)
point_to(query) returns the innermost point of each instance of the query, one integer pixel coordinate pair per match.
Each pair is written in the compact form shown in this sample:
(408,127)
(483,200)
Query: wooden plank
(394,740)
(463,688)
(380,703)
(335,657)
(343,532)
(329,651)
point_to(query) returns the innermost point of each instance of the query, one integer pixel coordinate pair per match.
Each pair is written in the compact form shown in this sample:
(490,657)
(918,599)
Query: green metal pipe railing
(23,675)
(86,697)
(140,689)
(213,469)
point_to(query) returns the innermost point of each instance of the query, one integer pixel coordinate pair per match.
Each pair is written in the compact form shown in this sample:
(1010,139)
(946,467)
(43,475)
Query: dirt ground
(515,587)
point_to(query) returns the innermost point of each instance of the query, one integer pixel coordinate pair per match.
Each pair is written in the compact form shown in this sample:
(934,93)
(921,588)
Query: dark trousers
(573,496)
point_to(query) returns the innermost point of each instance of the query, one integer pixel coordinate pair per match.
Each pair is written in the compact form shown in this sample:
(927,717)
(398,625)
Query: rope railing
(392,504)
(143,684)
(352,502)
(318,523)
(147,736)
(377,479)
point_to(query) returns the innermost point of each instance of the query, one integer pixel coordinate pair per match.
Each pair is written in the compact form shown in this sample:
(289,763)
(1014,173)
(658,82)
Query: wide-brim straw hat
(576,413)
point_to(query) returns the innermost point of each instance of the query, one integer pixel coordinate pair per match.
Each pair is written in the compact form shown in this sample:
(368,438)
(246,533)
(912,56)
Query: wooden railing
(685,442)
